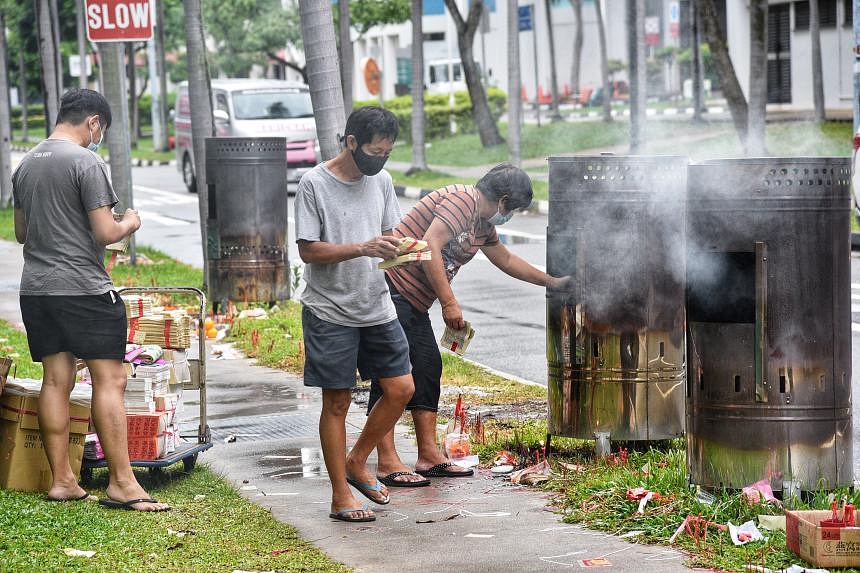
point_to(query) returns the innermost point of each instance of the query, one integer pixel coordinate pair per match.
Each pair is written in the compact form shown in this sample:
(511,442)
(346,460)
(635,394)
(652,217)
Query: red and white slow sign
(119,20)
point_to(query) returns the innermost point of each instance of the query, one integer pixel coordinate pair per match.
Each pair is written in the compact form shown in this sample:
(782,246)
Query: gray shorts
(333,352)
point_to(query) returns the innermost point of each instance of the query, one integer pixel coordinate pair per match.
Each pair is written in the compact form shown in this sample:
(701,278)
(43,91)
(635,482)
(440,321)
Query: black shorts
(424,356)
(333,352)
(88,326)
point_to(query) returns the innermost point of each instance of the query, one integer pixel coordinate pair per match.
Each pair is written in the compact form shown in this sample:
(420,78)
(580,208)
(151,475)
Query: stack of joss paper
(168,329)
(411,250)
(139,395)
(136,305)
(120,246)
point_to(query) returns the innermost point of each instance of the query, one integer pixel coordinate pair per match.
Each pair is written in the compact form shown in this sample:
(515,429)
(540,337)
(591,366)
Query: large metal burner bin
(247,185)
(615,339)
(769,323)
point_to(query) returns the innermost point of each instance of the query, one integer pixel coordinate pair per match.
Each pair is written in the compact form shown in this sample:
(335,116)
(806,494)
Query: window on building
(436,36)
(826,14)
(849,11)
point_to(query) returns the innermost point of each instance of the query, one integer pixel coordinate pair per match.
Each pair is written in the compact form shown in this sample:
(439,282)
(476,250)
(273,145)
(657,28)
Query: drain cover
(260,428)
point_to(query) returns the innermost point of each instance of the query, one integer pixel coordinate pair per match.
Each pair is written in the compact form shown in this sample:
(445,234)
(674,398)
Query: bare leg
(333,441)
(428,451)
(385,413)
(389,462)
(57,384)
(109,381)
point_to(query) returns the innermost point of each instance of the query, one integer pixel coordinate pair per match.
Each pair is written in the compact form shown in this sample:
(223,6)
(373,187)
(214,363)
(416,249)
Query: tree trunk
(346,57)
(758,79)
(698,88)
(162,144)
(554,114)
(817,73)
(604,63)
(484,122)
(82,42)
(5,119)
(577,46)
(419,159)
(55,28)
(638,76)
(323,74)
(50,89)
(131,69)
(731,86)
(23,96)
(515,104)
(202,124)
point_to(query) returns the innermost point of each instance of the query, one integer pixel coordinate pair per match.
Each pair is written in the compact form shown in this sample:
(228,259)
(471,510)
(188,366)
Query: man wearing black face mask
(345,213)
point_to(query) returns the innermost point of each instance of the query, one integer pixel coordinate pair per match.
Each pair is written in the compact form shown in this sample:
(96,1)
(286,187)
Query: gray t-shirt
(353,292)
(56,185)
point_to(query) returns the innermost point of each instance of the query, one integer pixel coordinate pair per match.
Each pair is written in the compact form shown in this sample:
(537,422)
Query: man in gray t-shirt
(345,212)
(63,216)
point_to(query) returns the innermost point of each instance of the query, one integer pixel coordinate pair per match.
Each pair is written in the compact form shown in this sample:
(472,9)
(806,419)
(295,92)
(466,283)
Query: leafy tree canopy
(365,14)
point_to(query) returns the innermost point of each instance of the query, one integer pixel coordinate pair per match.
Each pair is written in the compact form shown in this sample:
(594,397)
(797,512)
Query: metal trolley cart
(187,451)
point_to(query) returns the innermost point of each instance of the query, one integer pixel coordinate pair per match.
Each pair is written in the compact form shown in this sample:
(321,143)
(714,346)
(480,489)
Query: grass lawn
(794,138)
(211,528)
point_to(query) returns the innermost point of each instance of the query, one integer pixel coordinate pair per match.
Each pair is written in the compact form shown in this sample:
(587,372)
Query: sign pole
(110,23)
(118,136)
(537,75)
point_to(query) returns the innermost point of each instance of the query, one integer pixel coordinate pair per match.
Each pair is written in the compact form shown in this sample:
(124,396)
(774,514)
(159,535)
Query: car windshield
(281,104)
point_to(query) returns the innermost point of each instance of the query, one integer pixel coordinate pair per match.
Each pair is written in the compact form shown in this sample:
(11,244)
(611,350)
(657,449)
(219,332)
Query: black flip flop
(390,480)
(442,471)
(114,504)
(83,497)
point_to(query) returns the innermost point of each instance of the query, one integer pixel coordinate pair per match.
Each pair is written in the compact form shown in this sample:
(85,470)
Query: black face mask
(368,164)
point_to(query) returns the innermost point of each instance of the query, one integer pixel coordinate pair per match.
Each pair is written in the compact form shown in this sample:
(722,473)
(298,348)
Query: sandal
(391,481)
(367,490)
(442,471)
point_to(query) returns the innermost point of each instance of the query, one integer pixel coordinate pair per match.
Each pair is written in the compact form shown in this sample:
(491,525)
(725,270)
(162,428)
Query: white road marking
(165,197)
(147,216)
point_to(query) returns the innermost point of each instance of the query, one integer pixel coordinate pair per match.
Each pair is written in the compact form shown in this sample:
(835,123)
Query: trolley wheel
(86,476)
(189,463)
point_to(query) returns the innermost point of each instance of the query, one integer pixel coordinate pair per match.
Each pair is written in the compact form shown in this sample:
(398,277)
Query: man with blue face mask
(457,221)
(63,216)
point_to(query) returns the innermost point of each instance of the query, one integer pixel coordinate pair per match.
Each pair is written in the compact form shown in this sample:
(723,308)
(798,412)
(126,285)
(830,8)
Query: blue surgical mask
(499,219)
(93,146)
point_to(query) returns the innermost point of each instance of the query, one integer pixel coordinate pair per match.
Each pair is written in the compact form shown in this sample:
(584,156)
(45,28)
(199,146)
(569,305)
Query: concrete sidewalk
(480,524)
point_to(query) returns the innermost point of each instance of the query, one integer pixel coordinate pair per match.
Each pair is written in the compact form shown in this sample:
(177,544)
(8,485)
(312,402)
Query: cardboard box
(23,464)
(822,546)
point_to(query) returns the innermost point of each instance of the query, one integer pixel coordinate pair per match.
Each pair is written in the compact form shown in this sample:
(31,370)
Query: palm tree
(554,114)
(638,78)
(419,159)
(47,50)
(577,46)
(722,60)
(817,74)
(604,63)
(323,75)
(202,124)
(514,102)
(758,78)
(487,128)
(346,57)
(5,116)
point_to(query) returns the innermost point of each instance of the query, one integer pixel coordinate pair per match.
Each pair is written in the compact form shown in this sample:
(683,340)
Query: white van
(253,108)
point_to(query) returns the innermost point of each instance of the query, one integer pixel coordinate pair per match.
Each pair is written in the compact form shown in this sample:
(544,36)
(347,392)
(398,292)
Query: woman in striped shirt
(456,221)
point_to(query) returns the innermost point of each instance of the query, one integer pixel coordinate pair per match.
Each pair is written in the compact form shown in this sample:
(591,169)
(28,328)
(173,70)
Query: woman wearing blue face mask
(457,221)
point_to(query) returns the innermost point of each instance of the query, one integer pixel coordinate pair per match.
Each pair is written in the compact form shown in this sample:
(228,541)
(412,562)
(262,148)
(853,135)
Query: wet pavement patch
(260,428)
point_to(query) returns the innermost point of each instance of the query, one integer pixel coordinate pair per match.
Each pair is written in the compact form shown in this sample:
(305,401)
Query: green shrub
(438,114)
